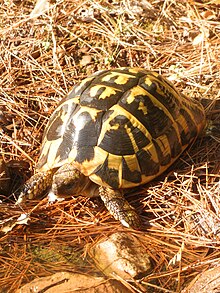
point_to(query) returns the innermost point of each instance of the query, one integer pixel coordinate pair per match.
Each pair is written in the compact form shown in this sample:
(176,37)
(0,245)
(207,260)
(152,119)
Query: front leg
(35,186)
(119,208)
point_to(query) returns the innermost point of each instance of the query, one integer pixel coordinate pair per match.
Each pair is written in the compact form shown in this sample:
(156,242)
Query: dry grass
(43,53)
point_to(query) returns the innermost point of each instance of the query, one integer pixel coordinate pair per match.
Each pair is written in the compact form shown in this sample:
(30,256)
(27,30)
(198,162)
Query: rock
(4,178)
(73,282)
(121,254)
(206,282)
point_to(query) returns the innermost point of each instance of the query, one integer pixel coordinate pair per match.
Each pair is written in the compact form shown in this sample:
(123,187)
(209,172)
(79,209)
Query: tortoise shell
(121,127)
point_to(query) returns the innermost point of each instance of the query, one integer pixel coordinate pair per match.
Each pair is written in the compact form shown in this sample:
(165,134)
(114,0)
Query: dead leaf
(9,224)
(208,14)
(41,7)
(86,59)
(201,37)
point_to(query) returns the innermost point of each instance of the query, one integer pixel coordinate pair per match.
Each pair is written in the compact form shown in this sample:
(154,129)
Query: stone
(206,282)
(73,282)
(121,254)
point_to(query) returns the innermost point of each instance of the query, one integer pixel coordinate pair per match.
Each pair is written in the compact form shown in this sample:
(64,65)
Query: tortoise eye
(69,185)
(63,188)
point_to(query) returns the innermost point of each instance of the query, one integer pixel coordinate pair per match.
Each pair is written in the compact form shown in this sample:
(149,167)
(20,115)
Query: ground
(48,46)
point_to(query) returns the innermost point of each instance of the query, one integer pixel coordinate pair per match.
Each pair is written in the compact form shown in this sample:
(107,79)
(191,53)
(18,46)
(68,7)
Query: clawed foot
(119,207)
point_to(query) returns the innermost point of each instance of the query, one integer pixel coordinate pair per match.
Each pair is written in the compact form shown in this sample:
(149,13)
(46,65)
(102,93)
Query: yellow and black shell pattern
(121,127)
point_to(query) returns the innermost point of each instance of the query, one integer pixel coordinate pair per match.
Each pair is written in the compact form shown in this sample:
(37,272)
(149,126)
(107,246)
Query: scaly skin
(119,208)
(67,181)
(35,186)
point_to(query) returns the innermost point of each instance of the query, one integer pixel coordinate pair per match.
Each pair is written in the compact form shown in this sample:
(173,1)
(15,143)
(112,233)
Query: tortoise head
(68,181)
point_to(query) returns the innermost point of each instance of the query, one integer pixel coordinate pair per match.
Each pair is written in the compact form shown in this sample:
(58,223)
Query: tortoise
(117,129)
